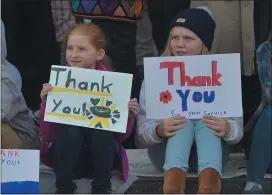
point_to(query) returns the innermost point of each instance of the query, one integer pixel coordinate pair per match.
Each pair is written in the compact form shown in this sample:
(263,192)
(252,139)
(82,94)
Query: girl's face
(81,53)
(184,42)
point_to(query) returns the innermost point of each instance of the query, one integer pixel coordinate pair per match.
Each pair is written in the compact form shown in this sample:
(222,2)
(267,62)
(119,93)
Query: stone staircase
(144,178)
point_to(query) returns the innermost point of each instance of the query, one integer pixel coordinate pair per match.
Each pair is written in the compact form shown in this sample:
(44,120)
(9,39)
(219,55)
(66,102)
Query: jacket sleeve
(146,128)
(48,130)
(236,132)
(9,95)
(130,125)
(263,56)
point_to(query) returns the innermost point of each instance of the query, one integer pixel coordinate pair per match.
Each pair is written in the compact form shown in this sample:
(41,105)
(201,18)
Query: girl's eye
(175,37)
(188,38)
(82,49)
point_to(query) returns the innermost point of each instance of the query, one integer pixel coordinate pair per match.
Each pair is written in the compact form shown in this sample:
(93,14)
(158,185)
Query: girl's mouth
(180,53)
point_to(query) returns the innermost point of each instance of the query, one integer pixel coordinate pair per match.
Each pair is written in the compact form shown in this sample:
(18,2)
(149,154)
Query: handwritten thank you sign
(193,86)
(20,171)
(89,98)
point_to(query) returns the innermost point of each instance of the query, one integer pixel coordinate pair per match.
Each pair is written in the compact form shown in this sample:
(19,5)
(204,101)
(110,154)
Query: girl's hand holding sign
(46,88)
(170,125)
(220,125)
(133,107)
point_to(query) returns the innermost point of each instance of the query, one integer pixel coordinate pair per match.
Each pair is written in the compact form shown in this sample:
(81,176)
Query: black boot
(67,189)
(101,186)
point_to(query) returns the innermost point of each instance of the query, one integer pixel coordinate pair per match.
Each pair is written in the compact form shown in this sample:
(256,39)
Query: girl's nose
(180,43)
(74,54)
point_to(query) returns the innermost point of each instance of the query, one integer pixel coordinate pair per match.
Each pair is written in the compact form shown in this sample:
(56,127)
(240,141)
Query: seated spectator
(170,140)
(77,151)
(18,129)
(13,70)
(261,147)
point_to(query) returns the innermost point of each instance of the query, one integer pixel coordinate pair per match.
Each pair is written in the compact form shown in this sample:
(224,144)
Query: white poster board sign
(193,86)
(20,171)
(89,98)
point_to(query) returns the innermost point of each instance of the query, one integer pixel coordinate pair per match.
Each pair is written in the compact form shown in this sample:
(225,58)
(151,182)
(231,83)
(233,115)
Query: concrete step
(229,186)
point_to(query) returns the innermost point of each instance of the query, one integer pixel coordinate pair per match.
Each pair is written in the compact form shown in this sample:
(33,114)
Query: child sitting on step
(67,148)
(192,32)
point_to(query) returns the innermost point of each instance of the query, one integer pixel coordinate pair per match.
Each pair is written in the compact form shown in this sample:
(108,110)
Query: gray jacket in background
(15,112)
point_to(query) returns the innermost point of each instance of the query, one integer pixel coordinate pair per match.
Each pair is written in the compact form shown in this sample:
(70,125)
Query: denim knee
(179,148)
(209,148)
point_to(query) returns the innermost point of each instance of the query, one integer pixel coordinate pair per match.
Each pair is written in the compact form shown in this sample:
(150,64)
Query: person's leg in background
(9,138)
(177,156)
(156,14)
(262,21)
(261,152)
(64,154)
(209,153)
(102,150)
(161,13)
(145,46)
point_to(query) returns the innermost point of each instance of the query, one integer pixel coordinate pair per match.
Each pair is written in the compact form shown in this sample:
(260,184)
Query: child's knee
(102,135)
(70,132)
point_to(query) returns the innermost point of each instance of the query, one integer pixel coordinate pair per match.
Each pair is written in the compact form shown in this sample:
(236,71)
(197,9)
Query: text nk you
(196,96)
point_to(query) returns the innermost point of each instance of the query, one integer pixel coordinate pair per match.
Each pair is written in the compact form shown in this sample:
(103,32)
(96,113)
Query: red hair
(96,38)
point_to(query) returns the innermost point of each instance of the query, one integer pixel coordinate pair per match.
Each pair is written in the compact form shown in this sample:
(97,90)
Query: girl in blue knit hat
(170,140)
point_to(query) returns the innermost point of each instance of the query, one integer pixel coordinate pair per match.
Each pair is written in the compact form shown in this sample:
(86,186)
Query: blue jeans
(209,147)
(261,147)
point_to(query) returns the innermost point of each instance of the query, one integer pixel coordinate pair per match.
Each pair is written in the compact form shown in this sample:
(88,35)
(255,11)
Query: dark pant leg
(156,15)
(65,153)
(102,148)
(261,147)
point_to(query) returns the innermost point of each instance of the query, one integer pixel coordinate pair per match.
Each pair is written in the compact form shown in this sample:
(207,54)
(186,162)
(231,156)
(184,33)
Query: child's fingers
(214,127)
(47,89)
(170,134)
(133,105)
(175,128)
(135,111)
(211,122)
(134,100)
(47,85)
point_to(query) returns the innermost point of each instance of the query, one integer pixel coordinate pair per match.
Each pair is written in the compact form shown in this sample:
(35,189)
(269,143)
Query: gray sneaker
(254,190)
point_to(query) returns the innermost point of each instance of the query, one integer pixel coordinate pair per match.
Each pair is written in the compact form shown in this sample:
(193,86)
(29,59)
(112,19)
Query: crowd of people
(116,37)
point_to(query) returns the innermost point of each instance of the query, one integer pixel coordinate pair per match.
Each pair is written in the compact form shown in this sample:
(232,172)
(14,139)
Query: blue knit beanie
(199,21)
